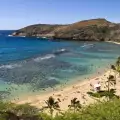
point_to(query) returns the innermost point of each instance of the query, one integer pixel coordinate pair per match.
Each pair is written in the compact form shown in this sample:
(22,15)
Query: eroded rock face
(94,29)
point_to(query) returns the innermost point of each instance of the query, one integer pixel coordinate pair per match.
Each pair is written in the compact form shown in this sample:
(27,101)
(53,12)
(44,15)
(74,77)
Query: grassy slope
(100,111)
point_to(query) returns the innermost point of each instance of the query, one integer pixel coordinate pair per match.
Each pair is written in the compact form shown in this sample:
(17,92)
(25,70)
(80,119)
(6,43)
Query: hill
(93,29)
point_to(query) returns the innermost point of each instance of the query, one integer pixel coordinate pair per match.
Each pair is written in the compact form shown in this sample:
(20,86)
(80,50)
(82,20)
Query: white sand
(114,42)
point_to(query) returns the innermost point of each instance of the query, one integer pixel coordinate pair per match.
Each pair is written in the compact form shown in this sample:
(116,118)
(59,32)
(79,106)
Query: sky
(15,14)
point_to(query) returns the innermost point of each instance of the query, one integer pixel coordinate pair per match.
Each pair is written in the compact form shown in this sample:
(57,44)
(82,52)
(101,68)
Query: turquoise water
(28,65)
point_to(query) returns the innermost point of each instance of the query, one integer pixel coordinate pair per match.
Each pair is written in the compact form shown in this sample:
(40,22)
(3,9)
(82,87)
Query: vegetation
(100,111)
(93,29)
(75,105)
(10,111)
(52,105)
(116,67)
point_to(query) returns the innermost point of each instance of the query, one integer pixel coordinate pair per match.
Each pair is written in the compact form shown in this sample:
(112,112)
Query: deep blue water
(19,48)
(29,64)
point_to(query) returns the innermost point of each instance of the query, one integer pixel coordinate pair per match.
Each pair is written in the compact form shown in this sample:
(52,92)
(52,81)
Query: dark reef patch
(47,83)
(4,94)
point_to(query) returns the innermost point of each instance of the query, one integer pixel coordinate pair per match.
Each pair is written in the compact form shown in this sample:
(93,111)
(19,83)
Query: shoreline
(118,43)
(78,89)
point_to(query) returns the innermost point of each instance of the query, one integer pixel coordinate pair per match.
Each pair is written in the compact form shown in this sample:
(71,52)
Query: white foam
(49,56)
(10,35)
(61,50)
(44,57)
(11,66)
(87,45)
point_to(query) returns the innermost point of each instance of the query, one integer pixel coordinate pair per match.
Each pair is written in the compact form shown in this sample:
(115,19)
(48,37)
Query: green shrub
(5,106)
(100,111)
(25,109)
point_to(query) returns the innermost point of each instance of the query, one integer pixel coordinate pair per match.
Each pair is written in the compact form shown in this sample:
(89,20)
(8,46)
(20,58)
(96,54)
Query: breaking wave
(87,45)
(10,66)
(48,56)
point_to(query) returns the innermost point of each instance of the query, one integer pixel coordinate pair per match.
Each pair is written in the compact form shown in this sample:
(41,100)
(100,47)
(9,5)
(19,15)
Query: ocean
(34,65)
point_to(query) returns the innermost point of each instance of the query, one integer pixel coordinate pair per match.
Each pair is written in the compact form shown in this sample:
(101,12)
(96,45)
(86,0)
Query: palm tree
(118,62)
(110,93)
(111,81)
(118,65)
(52,105)
(75,104)
(116,68)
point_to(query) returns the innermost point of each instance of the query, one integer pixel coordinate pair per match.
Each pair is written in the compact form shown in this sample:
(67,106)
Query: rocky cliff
(94,29)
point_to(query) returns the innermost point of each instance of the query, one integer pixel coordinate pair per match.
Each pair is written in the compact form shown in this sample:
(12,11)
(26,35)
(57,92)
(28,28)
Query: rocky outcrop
(94,29)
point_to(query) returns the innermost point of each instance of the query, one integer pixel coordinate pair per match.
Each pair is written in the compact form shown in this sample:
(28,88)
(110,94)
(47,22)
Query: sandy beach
(65,95)
(78,90)
(114,42)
